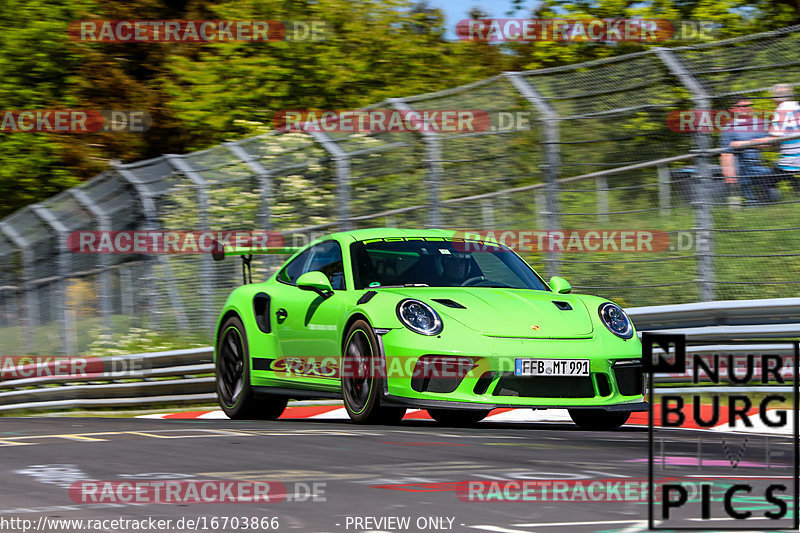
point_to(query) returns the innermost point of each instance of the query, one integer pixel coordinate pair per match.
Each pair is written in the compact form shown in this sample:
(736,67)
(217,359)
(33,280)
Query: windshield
(439,263)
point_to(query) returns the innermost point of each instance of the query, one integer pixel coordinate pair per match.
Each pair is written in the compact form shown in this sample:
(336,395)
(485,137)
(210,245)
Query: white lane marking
(521,415)
(643,525)
(589,523)
(215,415)
(61,475)
(529,415)
(498,529)
(336,414)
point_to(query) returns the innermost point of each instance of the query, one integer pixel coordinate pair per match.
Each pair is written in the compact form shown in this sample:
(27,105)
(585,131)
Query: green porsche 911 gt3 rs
(389,319)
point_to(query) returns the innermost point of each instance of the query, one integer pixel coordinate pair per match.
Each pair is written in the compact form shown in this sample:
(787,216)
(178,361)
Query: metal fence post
(552,160)
(102,260)
(663,189)
(264,178)
(433,157)
(602,198)
(62,298)
(341,162)
(704,220)
(31,304)
(206,267)
(487,213)
(151,224)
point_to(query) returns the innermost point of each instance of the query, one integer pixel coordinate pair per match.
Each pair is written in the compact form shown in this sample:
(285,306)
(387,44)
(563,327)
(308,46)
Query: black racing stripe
(261,363)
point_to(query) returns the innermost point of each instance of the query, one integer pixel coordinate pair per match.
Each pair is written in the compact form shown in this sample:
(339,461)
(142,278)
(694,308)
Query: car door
(308,324)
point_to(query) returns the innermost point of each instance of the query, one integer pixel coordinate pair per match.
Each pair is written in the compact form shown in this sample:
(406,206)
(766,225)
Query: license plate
(551,367)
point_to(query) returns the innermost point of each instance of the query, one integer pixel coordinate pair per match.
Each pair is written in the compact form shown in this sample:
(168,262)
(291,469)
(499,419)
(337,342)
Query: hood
(509,312)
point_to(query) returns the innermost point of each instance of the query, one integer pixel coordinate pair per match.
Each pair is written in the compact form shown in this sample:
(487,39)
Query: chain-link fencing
(595,154)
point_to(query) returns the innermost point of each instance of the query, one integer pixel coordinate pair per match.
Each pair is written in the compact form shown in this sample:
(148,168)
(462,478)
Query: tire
(232,371)
(361,388)
(458,417)
(598,419)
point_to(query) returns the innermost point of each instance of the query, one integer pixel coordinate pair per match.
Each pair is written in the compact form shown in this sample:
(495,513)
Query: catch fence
(595,154)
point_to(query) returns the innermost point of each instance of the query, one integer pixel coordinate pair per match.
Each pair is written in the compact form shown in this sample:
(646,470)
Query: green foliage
(732,18)
(201,94)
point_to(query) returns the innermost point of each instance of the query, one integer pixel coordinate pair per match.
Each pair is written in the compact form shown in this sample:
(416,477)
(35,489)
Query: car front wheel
(361,379)
(598,419)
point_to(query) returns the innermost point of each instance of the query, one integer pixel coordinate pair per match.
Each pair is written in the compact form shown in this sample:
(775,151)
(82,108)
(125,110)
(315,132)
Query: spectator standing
(786,121)
(745,167)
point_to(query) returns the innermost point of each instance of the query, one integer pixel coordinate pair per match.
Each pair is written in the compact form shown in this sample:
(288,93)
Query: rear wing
(246,246)
(222,251)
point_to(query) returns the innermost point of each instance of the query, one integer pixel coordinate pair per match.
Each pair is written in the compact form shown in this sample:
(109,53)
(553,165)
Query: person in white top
(785,121)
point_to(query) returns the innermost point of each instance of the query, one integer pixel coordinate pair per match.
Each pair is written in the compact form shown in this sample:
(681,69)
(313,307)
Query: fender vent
(564,306)
(449,303)
(367,296)
(261,311)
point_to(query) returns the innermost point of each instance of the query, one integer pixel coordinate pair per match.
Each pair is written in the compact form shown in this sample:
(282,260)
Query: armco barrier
(160,378)
(183,376)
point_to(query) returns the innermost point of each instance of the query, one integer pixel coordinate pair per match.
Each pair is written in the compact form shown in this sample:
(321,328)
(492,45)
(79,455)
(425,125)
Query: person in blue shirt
(747,167)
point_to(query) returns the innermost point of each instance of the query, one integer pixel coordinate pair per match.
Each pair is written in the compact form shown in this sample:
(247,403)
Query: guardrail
(146,379)
(183,376)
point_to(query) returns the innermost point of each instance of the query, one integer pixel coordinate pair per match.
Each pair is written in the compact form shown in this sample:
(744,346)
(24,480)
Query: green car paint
(300,354)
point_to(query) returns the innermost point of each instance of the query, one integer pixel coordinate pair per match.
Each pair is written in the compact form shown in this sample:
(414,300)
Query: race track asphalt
(376,472)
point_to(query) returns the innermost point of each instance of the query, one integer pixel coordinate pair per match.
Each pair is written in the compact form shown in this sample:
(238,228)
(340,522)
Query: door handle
(281,314)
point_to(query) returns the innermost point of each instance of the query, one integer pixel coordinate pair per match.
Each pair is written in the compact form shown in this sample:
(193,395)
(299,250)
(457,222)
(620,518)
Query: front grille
(544,387)
(629,379)
(440,373)
(421,384)
(483,383)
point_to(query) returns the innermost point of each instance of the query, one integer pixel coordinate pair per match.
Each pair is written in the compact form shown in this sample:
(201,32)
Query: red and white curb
(522,415)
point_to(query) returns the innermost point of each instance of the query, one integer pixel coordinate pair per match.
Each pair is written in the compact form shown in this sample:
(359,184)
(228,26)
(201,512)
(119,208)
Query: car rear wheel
(458,417)
(598,419)
(232,369)
(361,383)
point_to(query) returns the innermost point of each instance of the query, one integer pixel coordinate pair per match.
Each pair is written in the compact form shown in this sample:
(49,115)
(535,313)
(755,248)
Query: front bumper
(615,382)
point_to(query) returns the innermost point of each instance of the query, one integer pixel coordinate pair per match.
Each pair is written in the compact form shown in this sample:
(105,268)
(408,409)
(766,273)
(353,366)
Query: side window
(327,258)
(293,270)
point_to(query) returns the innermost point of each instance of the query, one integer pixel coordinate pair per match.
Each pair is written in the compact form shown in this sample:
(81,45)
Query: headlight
(419,317)
(616,320)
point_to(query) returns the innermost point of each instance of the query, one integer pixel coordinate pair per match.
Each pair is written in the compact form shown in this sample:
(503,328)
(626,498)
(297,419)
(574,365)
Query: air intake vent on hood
(449,303)
(564,306)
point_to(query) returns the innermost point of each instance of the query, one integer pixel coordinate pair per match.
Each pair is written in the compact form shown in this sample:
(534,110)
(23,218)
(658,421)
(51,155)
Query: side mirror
(560,285)
(315,281)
